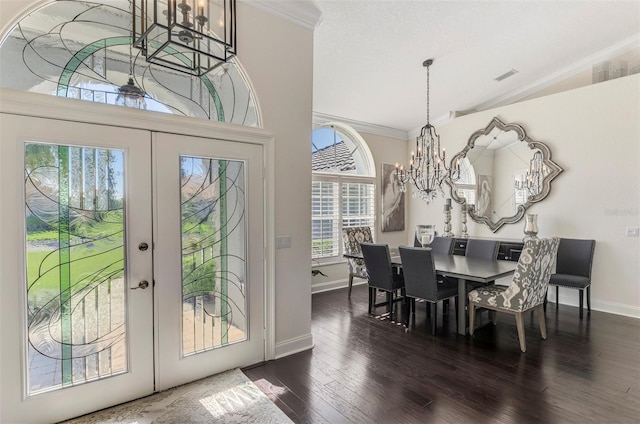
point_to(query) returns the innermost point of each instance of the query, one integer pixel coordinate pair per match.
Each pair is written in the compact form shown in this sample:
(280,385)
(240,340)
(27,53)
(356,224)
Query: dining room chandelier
(535,175)
(427,169)
(191,36)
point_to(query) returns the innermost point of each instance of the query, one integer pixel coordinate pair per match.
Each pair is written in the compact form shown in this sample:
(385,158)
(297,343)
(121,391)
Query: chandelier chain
(428,113)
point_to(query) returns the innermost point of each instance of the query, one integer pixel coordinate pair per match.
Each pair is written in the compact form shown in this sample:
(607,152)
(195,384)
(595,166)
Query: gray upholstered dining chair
(352,237)
(573,268)
(482,249)
(420,282)
(527,290)
(381,275)
(442,245)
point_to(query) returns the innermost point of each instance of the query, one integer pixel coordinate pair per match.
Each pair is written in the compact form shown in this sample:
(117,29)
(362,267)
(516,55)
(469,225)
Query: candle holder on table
(463,221)
(447,219)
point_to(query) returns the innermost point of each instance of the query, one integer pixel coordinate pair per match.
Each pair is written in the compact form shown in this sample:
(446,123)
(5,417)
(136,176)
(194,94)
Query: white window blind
(358,204)
(325,218)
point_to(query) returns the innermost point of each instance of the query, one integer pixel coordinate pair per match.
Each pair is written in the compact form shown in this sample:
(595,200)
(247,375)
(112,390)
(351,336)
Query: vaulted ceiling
(368,54)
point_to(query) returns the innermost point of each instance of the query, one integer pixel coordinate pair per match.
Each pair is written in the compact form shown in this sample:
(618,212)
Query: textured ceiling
(368,54)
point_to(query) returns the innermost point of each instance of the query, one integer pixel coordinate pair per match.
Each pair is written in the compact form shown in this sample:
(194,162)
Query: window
(81,50)
(343,188)
(466,185)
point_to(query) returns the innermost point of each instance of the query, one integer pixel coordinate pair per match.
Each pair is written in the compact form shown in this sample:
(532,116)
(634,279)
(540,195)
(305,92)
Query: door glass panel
(214,311)
(75,263)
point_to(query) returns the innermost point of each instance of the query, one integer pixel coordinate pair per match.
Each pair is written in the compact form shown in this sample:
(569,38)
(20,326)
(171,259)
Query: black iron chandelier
(427,168)
(192,36)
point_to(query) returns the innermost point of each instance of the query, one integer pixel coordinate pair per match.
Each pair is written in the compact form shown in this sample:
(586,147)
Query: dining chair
(442,245)
(527,290)
(573,268)
(420,282)
(381,275)
(352,237)
(482,249)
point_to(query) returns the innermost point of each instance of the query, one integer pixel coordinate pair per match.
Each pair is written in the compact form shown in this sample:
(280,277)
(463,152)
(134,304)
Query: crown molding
(587,63)
(323,118)
(304,13)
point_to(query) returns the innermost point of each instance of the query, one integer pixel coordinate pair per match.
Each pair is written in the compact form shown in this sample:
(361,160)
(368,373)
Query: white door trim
(44,106)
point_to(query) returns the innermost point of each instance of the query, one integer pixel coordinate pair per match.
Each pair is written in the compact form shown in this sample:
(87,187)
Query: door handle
(141,285)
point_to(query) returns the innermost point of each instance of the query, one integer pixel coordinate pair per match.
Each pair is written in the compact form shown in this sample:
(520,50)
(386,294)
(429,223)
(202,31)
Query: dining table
(463,269)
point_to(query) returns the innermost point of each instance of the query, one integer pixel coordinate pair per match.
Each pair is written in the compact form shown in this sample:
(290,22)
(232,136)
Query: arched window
(82,50)
(343,188)
(466,185)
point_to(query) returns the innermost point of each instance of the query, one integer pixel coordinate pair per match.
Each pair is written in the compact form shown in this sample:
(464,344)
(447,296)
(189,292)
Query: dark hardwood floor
(366,370)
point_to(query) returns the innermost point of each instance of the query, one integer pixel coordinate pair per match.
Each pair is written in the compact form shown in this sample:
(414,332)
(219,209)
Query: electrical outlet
(633,232)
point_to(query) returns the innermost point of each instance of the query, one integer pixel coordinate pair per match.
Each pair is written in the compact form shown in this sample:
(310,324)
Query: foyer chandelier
(427,169)
(190,36)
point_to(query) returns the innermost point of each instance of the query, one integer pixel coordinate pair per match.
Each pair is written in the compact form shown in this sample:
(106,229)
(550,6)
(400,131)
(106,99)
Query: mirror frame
(554,171)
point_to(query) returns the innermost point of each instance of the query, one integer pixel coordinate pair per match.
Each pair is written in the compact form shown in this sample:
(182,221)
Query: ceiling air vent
(506,75)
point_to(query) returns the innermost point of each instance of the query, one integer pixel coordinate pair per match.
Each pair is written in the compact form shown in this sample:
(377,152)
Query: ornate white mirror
(503,172)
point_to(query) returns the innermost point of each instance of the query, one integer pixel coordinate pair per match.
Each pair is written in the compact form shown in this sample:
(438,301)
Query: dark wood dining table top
(458,266)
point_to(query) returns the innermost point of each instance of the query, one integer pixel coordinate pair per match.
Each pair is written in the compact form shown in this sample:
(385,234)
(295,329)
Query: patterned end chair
(352,237)
(527,290)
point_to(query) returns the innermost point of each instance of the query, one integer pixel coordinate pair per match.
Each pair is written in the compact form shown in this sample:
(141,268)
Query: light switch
(633,232)
(283,242)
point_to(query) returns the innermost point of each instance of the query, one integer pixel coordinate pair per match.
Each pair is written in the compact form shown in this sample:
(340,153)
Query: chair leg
(581,302)
(545,299)
(350,285)
(457,305)
(589,298)
(445,306)
(434,321)
(472,317)
(557,296)
(413,312)
(520,325)
(494,317)
(389,303)
(542,323)
(372,298)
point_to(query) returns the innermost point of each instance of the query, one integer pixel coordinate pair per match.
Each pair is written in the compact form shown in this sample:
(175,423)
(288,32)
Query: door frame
(63,109)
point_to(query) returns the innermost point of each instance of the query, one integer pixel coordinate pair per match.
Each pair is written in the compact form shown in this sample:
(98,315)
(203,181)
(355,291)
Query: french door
(209,295)
(124,266)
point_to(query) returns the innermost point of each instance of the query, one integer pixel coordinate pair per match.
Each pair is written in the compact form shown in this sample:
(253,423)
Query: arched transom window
(82,50)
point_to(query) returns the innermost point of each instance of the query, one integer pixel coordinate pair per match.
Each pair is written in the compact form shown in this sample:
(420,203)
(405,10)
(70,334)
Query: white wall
(278,58)
(594,134)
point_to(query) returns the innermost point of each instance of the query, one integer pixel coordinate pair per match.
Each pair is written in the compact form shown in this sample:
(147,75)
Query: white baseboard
(295,345)
(617,308)
(572,299)
(334,285)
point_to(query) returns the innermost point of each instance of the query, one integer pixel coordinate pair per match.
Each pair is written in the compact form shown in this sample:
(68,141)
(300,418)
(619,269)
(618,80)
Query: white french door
(75,202)
(209,295)
(125,264)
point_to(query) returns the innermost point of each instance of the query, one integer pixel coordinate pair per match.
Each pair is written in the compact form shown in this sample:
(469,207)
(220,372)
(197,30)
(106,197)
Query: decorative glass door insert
(75,262)
(212,205)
